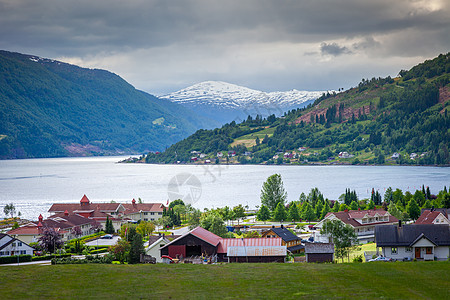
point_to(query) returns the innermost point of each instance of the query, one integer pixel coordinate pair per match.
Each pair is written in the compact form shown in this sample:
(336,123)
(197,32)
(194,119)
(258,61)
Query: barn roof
(247,242)
(319,248)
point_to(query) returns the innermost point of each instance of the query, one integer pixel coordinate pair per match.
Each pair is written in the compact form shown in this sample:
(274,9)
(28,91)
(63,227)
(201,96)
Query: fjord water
(34,184)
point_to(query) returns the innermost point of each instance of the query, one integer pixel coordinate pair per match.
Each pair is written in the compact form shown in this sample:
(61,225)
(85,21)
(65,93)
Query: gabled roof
(349,217)
(247,242)
(200,233)
(444,211)
(283,233)
(25,230)
(427,217)
(393,235)
(2,235)
(131,208)
(319,248)
(72,207)
(421,236)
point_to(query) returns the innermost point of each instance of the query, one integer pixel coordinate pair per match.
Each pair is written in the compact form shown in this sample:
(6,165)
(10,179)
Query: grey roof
(285,234)
(319,248)
(407,235)
(295,248)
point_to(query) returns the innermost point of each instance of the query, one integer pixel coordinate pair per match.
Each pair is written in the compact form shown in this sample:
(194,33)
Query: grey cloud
(144,32)
(333,49)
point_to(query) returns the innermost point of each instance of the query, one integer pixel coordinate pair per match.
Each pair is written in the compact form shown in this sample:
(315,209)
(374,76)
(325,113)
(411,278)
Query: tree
(343,207)
(446,201)
(318,210)
(388,195)
(354,205)
(9,209)
(326,209)
(308,213)
(193,216)
(293,213)
(176,202)
(413,209)
(239,212)
(343,236)
(76,231)
(136,249)
(419,197)
(145,228)
(120,250)
(280,214)
(109,228)
(371,205)
(273,192)
(50,240)
(263,214)
(214,223)
(394,211)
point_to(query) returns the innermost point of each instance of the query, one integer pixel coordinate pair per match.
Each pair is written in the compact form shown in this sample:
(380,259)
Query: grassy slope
(422,280)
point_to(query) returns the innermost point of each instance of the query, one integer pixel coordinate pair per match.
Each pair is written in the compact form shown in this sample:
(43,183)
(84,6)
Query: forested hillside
(400,120)
(49,108)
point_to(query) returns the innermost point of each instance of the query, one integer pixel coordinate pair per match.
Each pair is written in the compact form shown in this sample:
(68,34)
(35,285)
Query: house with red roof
(201,242)
(143,211)
(118,213)
(432,217)
(363,221)
(63,223)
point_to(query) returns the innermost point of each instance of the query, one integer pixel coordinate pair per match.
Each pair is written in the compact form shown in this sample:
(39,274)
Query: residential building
(363,221)
(421,241)
(63,223)
(10,246)
(290,240)
(432,217)
(143,211)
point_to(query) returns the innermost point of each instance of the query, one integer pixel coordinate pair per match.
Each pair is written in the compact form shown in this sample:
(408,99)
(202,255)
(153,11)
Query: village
(107,232)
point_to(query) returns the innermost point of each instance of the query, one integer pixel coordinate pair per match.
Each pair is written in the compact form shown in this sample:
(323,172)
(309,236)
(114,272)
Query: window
(429,250)
(19,244)
(152,213)
(145,219)
(408,249)
(394,250)
(13,244)
(23,252)
(146,213)
(160,213)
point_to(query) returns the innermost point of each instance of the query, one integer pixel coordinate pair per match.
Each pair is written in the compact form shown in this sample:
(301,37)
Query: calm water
(34,184)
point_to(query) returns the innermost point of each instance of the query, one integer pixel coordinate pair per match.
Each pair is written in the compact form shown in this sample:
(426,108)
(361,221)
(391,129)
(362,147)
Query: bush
(13,259)
(100,250)
(358,259)
(107,259)
(48,257)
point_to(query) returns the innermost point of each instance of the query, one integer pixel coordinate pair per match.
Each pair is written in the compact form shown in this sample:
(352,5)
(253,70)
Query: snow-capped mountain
(226,102)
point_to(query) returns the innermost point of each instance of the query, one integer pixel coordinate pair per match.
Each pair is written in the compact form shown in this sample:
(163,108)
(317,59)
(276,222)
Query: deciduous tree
(263,214)
(273,192)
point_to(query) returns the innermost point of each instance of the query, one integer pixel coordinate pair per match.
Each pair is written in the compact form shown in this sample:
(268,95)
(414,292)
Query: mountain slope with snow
(227,102)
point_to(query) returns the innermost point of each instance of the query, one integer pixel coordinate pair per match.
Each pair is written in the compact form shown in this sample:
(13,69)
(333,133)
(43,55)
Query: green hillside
(49,108)
(381,121)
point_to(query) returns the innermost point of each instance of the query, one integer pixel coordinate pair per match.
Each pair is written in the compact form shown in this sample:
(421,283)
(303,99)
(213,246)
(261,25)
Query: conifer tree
(280,213)
(413,209)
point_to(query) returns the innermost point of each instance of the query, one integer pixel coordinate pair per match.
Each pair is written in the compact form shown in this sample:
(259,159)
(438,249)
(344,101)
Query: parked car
(107,237)
(380,258)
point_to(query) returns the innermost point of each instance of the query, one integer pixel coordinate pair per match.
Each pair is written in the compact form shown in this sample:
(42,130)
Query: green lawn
(412,280)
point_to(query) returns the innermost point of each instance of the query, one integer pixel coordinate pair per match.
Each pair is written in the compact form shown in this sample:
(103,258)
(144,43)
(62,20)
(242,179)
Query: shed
(251,250)
(319,252)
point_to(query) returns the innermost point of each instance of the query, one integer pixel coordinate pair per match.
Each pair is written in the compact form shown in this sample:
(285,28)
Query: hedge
(49,257)
(100,250)
(13,259)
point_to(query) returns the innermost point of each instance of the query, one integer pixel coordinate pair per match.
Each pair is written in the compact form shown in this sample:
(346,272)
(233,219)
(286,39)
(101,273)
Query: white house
(363,222)
(11,246)
(421,242)
(432,217)
(154,243)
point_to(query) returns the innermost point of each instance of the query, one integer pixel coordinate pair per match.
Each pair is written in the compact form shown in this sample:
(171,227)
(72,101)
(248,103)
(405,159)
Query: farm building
(319,252)
(201,242)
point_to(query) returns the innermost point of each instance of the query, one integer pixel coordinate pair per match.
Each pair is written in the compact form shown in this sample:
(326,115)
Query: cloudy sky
(163,46)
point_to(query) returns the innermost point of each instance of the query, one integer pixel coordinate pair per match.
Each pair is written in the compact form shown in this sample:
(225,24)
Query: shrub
(13,259)
(48,257)
(358,259)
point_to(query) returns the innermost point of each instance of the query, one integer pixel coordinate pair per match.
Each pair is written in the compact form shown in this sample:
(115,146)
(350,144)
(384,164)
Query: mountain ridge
(227,101)
(50,108)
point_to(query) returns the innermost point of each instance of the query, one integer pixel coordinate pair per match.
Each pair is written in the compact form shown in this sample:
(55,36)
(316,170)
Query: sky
(161,46)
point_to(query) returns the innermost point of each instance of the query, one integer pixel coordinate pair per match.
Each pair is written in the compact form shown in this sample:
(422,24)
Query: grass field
(412,280)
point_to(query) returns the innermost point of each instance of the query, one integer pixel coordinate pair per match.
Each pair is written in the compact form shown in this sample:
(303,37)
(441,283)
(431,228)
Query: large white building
(363,221)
